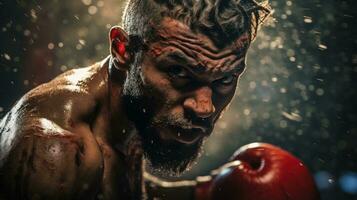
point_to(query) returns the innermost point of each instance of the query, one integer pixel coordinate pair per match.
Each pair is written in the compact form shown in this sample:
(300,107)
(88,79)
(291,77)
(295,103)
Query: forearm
(178,190)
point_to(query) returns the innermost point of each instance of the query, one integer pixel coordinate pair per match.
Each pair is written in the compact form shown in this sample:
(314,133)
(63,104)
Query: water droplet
(307,19)
(92,10)
(50,46)
(7,56)
(87,2)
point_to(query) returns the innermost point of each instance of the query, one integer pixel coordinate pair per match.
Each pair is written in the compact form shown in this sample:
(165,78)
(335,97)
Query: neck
(117,137)
(116,129)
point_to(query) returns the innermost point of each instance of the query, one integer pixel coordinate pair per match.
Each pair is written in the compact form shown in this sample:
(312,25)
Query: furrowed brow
(183,60)
(180,57)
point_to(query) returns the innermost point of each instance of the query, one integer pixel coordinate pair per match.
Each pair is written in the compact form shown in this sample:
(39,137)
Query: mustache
(178,120)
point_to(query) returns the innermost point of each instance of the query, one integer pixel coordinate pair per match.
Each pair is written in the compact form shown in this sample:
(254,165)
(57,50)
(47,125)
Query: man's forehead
(174,29)
(176,39)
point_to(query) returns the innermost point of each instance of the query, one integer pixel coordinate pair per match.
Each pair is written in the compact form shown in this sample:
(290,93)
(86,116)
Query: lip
(188,135)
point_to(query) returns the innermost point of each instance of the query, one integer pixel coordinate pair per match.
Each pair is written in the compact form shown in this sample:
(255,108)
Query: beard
(165,157)
(168,158)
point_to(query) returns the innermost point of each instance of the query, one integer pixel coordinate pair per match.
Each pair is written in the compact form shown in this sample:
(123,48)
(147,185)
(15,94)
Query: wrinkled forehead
(177,40)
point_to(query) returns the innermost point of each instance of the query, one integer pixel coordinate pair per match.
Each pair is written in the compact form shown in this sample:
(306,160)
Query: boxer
(173,68)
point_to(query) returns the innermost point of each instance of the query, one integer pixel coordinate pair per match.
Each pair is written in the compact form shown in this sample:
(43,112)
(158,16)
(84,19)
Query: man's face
(179,90)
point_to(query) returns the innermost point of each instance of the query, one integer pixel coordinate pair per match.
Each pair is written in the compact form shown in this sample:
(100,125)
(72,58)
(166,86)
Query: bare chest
(122,174)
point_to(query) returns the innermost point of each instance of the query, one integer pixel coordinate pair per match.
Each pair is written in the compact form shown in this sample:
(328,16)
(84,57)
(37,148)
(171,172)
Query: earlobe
(118,47)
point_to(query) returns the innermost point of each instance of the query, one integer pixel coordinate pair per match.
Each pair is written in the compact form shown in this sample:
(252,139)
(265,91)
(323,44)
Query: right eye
(178,72)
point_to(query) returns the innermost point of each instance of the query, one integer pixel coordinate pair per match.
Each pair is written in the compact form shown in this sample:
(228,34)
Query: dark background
(298,92)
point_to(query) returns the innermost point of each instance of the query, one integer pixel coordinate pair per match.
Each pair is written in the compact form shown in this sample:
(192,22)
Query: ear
(118,41)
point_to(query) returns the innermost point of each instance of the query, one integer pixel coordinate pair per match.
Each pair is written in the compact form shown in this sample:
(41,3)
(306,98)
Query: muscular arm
(48,162)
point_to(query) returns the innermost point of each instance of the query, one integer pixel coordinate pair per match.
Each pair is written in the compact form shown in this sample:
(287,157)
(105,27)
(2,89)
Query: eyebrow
(195,68)
(178,56)
(184,60)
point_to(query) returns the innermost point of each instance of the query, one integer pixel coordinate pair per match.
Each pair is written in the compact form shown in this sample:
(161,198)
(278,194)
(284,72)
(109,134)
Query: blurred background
(298,92)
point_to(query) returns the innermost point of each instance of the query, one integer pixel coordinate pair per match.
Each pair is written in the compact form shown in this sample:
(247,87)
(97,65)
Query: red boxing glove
(260,171)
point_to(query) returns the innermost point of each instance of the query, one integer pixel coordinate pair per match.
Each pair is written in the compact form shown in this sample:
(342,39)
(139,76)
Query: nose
(200,102)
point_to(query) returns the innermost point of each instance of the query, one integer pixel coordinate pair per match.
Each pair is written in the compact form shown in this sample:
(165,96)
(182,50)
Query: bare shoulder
(74,93)
(79,81)
(49,162)
(47,149)
(54,107)
(69,98)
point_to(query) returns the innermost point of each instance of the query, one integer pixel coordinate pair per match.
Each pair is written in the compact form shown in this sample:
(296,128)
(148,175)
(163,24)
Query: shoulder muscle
(48,162)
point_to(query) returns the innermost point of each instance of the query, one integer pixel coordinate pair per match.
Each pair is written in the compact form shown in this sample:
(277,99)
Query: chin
(169,157)
(167,152)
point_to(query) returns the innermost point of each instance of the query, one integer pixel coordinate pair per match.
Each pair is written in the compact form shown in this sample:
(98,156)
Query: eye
(226,80)
(178,72)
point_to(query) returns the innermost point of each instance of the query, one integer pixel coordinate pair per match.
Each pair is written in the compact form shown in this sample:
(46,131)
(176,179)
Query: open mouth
(188,135)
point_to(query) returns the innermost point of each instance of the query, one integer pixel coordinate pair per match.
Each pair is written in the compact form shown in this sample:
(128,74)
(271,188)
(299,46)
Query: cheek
(222,100)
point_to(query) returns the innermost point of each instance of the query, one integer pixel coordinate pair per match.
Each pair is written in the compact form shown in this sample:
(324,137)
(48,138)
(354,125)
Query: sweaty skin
(71,139)
(189,73)
(54,142)
(202,54)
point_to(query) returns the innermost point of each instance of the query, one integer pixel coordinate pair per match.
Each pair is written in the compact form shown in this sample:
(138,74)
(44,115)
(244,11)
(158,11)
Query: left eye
(226,80)
(178,72)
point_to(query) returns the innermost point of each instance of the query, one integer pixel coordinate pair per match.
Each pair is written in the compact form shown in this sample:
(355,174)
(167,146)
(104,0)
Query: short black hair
(222,20)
